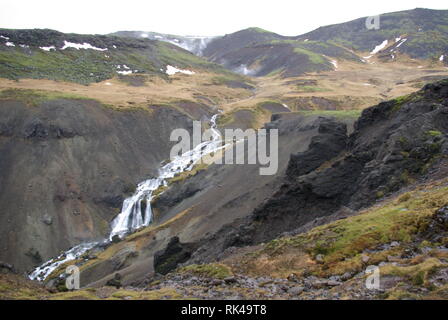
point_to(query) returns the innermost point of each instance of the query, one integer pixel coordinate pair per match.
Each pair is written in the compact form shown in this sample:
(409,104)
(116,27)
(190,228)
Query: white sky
(194,17)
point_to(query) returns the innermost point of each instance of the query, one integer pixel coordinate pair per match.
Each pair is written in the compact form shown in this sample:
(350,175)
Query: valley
(85,126)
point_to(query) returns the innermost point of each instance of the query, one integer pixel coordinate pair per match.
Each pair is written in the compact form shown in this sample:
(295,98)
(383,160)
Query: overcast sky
(194,17)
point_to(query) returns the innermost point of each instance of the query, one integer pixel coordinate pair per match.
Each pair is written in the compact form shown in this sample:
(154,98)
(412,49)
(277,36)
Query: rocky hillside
(67,163)
(396,146)
(376,197)
(49,54)
(393,145)
(419,33)
(194,44)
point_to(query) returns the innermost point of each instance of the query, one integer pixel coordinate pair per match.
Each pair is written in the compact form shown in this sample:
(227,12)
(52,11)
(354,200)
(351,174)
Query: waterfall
(136,210)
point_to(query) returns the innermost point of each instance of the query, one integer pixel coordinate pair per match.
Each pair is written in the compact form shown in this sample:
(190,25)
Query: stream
(136,210)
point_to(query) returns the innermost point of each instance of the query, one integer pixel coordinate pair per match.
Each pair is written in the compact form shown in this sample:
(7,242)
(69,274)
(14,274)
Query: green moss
(212,270)
(418,274)
(36,97)
(304,89)
(434,133)
(342,242)
(163,293)
(339,114)
(313,57)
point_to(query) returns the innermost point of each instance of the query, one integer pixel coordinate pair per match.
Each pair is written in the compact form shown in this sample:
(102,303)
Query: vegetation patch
(212,270)
(341,244)
(36,97)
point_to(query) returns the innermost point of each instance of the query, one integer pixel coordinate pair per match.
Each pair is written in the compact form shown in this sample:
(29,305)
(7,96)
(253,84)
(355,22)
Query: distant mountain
(49,54)
(220,46)
(419,33)
(258,52)
(194,44)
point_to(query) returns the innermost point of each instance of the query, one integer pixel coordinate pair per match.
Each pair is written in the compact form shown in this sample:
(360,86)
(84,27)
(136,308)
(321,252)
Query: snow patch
(10,44)
(286,106)
(4,37)
(441,57)
(78,46)
(170,70)
(48,48)
(335,64)
(379,47)
(124,72)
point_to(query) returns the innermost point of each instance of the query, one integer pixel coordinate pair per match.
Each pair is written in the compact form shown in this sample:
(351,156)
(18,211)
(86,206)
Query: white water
(42,272)
(136,211)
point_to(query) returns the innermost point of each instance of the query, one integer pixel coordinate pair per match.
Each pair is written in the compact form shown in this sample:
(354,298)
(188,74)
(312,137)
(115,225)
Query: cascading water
(136,211)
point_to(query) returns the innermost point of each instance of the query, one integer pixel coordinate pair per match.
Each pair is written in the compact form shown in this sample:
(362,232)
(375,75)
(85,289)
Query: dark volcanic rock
(67,165)
(175,253)
(393,143)
(332,139)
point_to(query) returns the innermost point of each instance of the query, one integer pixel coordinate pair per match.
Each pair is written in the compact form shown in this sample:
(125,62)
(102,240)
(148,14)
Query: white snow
(335,64)
(4,37)
(144,35)
(367,84)
(170,70)
(124,72)
(48,48)
(10,44)
(24,46)
(78,46)
(379,47)
(397,39)
(286,106)
(114,46)
(368,57)
(108,84)
(158,37)
(441,57)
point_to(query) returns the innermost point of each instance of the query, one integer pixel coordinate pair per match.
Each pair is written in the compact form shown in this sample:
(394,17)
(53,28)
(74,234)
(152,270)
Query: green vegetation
(339,114)
(89,66)
(36,97)
(81,66)
(313,57)
(342,242)
(434,133)
(160,294)
(212,270)
(304,89)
